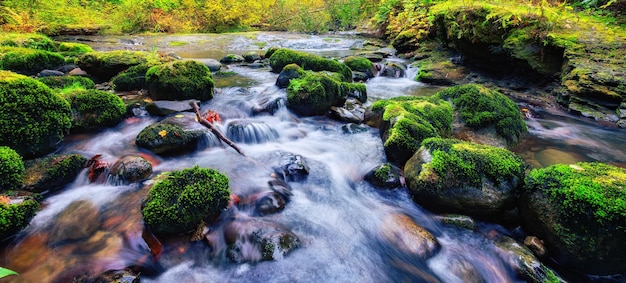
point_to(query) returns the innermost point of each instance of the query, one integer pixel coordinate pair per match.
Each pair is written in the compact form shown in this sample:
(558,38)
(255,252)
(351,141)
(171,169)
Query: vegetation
(180,201)
(15,217)
(11,169)
(93,109)
(283,57)
(61,82)
(105,65)
(34,120)
(167,139)
(52,172)
(28,61)
(180,80)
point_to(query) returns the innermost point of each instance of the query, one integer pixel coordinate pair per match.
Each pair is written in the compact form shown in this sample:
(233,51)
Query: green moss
(33,120)
(179,202)
(94,109)
(480,107)
(270,51)
(15,217)
(28,40)
(28,61)
(383,172)
(52,172)
(359,64)
(74,49)
(177,43)
(468,162)
(105,65)
(133,78)
(11,169)
(584,190)
(314,94)
(61,82)
(180,80)
(167,139)
(283,57)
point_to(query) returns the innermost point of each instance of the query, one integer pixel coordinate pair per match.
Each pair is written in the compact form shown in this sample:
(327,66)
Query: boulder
(15,214)
(60,82)
(180,80)
(386,176)
(578,210)
(289,72)
(50,73)
(133,78)
(28,40)
(105,65)
(11,169)
(404,234)
(95,109)
(79,220)
(33,119)
(131,169)
(292,167)
(460,177)
(352,111)
(232,58)
(283,57)
(393,70)
(251,56)
(52,172)
(443,72)
(523,262)
(360,64)
(213,64)
(28,61)
(255,239)
(168,139)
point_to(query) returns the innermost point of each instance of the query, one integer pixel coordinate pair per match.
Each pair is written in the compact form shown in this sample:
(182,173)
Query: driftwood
(215,131)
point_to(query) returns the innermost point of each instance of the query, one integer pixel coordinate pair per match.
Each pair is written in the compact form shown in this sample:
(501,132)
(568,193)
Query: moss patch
(15,217)
(94,109)
(52,172)
(180,80)
(28,40)
(104,65)
(283,57)
(28,61)
(11,169)
(60,82)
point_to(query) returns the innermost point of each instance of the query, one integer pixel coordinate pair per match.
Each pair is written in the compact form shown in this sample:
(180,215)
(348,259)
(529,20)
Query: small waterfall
(251,132)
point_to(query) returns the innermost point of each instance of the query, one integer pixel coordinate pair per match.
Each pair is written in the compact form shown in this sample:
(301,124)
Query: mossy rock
(11,169)
(52,172)
(34,120)
(61,82)
(544,59)
(442,72)
(94,109)
(385,176)
(15,217)
(579,211)
(360,64)
(283,57)
(74,49)
(28,40)
(453,176)
(28,61)
(133,78)
(167,139)
(105,65)
(289,72)
(480,107)
(314,94)
(180,80)
(179,202)
(407,120)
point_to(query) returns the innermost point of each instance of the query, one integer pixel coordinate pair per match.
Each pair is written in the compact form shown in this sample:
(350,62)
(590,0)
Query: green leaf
(6,272)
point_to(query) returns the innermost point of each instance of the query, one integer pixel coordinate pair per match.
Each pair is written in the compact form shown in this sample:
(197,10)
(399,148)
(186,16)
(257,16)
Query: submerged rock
(252,240)
(407,236)
(385,176)
(79,220)
(292,167)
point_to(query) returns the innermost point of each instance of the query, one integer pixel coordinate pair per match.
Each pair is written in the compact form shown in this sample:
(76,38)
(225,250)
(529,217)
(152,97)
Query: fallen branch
(215,131)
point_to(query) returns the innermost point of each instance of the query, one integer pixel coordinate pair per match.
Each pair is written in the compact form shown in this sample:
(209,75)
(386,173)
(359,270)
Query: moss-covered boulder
(439,72)
(360,64)
(33,119)
(385,176)
(579,211)
(133,78)
(94,109)
(406,121)
(15,216)
(481,108)
(11,169)
(314,94)
(283,57)
(524,262)
(61,82)
(168,139)
(28,40)
(52,172)
(450,175)
(105,65)
(289,72)
(180,80)
(28,61)
(182,199)
(74,49)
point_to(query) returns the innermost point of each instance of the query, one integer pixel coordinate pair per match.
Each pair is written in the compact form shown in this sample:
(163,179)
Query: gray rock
(50,73)
(130,169)
(167,107)
(213,64)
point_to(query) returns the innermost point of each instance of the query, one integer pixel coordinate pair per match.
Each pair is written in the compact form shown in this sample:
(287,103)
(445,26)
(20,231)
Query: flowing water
(339,218)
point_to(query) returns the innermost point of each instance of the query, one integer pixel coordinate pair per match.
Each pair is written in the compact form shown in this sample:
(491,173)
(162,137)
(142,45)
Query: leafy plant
(4,272)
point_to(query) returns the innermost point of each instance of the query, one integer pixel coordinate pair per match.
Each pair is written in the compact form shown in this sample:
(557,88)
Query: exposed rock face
(292,167)
(130,169)
(459,177)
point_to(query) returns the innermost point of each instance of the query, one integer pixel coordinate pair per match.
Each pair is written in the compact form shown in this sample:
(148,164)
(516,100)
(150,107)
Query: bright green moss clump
(15,217)
(179,202)
(33,120)
(61,82)
(481,107)
(74,49)
(28,61)
(28,40)
(283,57)
(180,80)
(94,109)
(104,65)
(314,94)
(11,169)
(407,121)
(133,78)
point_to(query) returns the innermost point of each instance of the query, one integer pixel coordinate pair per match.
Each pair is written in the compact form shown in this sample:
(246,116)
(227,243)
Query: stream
(339,218)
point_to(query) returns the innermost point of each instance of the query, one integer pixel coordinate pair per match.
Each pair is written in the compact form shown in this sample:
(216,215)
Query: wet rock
(461,221)
(50,73)
(385,176)
(459,177)
(232,58)
(360,76)
(79,220)
(52,172)
(130,169)
(373,57)
(212,64)
(270,203)
(168,139)
(465,270)
(352,111)
(292,167)
(77,72)
(110,276)
(289,72)
(352,128)
(66,68)
(167,107)
(393,70)
(550,156)
(105,65)
(406,235)
(360,64)
(523,262)
(252,240)
(440,72)
(536,245)
(251,56)
(269,105)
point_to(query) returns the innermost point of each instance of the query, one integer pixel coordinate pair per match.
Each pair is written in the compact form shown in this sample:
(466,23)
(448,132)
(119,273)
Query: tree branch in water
(215,131)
